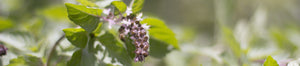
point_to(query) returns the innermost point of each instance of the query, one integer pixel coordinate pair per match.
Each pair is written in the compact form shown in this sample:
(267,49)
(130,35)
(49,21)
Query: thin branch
(53,49)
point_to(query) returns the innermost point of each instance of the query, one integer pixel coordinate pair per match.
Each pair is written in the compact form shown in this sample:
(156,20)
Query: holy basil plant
(121,29)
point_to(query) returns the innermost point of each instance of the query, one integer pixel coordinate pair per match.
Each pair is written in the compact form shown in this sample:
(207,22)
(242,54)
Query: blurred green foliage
(26,61)
(6,24)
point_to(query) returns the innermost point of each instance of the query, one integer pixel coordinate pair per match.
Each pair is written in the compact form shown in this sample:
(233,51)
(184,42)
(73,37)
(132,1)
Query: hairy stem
(53,49)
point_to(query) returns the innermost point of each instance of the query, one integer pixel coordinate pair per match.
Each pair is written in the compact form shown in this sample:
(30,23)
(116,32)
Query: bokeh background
(209,32)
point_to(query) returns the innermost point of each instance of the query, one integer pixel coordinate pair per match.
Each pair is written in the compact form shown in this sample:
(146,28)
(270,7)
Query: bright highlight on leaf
(270,62)
(87,3)
(78,37)
(137,6)
(121,6)
(87,18)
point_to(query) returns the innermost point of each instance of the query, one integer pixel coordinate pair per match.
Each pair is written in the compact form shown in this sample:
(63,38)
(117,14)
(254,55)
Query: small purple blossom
(145,26)
(106,11)
(126,22)
(110,23)
(126,31)
(139,17)
(128,11)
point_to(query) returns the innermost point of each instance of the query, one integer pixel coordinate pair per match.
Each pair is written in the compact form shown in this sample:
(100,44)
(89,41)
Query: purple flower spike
(138,33)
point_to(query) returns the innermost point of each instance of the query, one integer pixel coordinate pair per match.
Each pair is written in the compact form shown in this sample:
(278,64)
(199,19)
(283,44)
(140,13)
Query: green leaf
(115,48)
(78,37)
(130,47)
(283,41)
(97,31)
(160,31)
(231,41)
(158,49)
(85,56)
(270,62)
(87,3)
(137,6)
(5,24)
(82,58)
(121,6)
(27,60)
(83,16)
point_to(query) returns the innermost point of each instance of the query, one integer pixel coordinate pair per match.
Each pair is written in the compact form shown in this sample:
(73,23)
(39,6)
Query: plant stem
(53,50)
